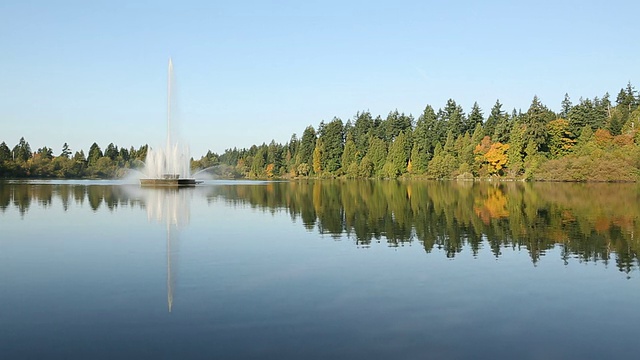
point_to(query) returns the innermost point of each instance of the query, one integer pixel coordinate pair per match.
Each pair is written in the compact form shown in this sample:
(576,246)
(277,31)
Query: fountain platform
(169,180)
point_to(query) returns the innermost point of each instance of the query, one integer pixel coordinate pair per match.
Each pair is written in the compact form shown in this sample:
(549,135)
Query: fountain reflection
(170,207)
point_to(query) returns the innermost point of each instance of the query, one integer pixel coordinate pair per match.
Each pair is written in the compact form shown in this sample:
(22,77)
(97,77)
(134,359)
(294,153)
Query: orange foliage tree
(492,156)
(603,138)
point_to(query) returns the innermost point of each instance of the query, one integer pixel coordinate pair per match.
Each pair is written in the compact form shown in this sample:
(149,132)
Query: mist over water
(173,160)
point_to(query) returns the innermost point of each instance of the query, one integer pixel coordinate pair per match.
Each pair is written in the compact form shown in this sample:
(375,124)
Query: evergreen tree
(449,144)
(398,156)
(617,121)
(453,116)
(274,156)
(378,129)
(476,138)
(601,112)
(395,124)
(464,146)
(259,161)
(111,151)
(22,151)
(495,117)
(349,155)
(5,153)
(348,128)
(580,115)
(79,164)
(332,138)
(536,120)
(317,157)
(307,145)
(79,156)
(443,163)
(292,151)
(605,103)
(66,152)
(362,131)
(475,118)
(584,144)
(425,138)
(45,153)
(515,154)
(124,154)
(565,107)
(627,98)
(95,153)
(377,155)
(503,127)
(560,138)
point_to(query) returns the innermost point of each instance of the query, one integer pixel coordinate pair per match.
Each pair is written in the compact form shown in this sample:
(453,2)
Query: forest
(114,162)
(591,140)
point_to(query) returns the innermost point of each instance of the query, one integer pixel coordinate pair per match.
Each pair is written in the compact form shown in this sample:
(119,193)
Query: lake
(319,270)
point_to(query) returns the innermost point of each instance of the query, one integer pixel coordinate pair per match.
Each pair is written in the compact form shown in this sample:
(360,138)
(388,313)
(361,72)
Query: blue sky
(248,72)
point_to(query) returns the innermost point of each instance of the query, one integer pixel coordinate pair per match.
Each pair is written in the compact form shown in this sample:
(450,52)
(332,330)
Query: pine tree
(22,151)
(349,154)
(111,151)
(425,138)
(453,117)
(516,149)
(536,120)
(66,152)
(95,153)
(317,157)
(565,106)
(495,118)
(475,118)
(45,153)
(332,138)
(362,131)
(395,124)
(307,145)
(377,154)
(398,156)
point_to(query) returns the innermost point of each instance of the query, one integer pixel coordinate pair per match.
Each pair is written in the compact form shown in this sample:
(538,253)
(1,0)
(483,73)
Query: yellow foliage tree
(496,157)
(491,156)
(317,154)
(269,170)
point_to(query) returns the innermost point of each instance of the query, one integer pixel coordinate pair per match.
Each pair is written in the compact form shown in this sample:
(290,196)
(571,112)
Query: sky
(248,72)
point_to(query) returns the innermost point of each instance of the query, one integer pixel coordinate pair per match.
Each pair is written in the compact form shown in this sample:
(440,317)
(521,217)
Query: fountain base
(169,180)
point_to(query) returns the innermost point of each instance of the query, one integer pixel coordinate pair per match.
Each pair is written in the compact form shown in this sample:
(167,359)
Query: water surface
(358,269)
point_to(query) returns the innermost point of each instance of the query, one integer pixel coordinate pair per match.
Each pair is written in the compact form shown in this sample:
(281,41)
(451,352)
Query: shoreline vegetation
(591,141)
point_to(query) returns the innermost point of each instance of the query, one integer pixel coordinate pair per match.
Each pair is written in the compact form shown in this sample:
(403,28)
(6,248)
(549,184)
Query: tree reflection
(588,222)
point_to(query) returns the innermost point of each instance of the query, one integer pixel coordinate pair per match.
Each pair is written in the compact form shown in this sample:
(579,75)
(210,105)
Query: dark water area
(317,270)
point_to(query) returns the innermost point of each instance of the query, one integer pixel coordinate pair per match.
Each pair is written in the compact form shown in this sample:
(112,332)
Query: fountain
(169,166)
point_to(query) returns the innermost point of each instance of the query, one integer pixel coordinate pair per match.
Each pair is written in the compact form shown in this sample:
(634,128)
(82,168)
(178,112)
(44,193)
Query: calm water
(304,270)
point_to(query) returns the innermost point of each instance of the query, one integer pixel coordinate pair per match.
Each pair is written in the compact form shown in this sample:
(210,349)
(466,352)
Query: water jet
(169,166)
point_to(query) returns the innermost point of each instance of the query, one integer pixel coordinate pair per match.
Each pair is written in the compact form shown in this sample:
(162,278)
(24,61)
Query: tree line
(593,139)
(114,162)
